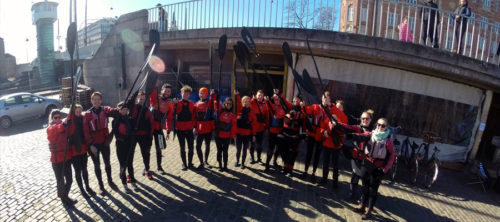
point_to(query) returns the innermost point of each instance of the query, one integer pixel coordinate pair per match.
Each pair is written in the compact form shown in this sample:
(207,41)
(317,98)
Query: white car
(20,106)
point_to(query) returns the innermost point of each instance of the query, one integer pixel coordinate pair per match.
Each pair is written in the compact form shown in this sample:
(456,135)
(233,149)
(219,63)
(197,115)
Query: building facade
(95,33)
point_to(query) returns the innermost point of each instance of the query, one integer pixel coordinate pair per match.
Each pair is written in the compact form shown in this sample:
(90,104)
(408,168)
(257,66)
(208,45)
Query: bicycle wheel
(414,172)
(431,174)
(394,169)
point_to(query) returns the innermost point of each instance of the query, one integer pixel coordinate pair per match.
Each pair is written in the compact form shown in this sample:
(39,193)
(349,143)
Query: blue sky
(16,25)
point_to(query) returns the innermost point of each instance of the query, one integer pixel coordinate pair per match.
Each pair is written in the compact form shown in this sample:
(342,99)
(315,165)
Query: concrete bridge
(415,86)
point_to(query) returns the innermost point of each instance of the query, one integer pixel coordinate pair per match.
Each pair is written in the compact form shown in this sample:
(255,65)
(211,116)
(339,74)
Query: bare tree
(305,14)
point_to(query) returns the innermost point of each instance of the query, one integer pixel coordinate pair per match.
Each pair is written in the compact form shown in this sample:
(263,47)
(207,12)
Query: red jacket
(186,117)
(244,125)
(226,126)
(204,121)
(261,113)
(277,114)
(357,151)
(95,126)
(162,113)
(56,134)
(326,126)
(145,125)
(370,153)
(314,113)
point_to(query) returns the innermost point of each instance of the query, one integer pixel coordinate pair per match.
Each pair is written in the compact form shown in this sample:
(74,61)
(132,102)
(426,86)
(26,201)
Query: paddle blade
(150,83)
(244,50)
(245,34)
(308,83)
(154,39)
(287,53)
(240,55)
(71,39)
(222,46)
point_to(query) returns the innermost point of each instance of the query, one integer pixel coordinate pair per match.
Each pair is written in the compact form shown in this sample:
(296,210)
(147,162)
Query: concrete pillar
(483,116)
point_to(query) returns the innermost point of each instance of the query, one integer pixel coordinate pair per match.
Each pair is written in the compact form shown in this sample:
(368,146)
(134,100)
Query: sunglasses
(365,118)
(57,117)
(381,125)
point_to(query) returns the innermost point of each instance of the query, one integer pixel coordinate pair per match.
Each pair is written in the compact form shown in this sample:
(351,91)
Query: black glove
(379,172)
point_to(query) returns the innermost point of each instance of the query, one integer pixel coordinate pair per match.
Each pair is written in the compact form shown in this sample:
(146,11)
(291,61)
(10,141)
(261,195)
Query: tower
(44,15)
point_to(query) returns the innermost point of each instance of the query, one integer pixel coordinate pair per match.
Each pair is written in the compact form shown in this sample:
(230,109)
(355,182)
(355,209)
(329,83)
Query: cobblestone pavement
(28,191)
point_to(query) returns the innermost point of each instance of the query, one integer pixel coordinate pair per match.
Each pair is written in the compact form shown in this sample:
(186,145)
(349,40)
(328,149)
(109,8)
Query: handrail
(378,18)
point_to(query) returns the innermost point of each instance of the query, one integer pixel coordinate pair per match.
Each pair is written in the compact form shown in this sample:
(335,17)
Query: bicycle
(407,155)
(394,169)
(430,166)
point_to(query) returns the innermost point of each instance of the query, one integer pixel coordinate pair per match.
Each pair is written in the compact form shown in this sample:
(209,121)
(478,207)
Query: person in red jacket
(275,126)
(184,111)
(60,156)
(331,150)
(356,153)
(97,138)
(225,130)
(244,127)
(378,157)
(204,124)
(142,122)
(79,152)
(260,110)
(291,135)
(162,110)
(122,129)
(314,115)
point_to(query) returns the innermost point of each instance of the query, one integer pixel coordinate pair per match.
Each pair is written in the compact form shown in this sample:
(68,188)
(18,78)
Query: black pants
(183,136)
(273,148)
(242,142)
(333,154)
(289,148)
(257,145)
(125,153)
(145,142)
(370,189)
(459,36)
(199,139)
(222,147)
(81,174)
(313,147)
(63,178)
(104,150)
(160,144)
(430,30)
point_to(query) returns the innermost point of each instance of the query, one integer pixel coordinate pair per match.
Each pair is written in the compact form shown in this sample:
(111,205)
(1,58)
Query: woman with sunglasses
(355,152)
(225,130)
(60,156)
(378,158)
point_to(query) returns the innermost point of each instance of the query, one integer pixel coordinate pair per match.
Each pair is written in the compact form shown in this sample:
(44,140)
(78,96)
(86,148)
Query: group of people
(429,16)
(245,121)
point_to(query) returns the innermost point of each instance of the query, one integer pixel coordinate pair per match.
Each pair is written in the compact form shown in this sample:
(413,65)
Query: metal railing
(379,18)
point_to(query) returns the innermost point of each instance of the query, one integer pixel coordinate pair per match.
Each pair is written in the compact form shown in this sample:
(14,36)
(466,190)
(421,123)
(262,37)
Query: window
(472,18)
(487,3)
(484,22)
(350,14)
(411,23)
(393,19)
(11,101)
(469,39)
(481,43)
(449,42)
(411,1)
(493,48)
(364,14)
(26,98)
(497,27)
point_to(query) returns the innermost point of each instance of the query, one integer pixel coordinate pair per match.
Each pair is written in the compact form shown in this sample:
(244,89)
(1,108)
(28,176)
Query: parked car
(20,106)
